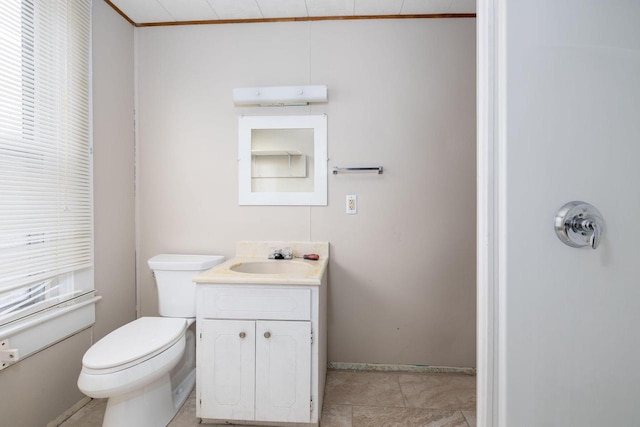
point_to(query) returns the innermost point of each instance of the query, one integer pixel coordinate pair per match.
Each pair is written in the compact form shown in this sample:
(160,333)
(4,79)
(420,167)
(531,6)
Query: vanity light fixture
(268,96)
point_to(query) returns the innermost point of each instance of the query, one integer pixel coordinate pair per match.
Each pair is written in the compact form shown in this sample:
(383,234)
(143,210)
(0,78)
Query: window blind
(45,159)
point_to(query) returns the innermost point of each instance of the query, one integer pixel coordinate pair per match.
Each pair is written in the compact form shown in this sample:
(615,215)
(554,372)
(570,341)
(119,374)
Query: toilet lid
(133,341)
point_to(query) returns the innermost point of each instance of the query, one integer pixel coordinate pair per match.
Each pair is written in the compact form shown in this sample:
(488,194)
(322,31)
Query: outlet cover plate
(352,204)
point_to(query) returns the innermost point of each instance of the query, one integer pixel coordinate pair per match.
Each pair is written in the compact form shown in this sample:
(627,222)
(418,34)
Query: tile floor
(362,399)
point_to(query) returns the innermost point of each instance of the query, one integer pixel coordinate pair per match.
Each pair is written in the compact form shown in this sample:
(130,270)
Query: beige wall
(113,165)
(43,386)
(401,95)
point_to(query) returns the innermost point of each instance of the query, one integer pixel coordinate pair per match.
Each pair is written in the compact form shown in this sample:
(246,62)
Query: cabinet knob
(242,335)
(267,334)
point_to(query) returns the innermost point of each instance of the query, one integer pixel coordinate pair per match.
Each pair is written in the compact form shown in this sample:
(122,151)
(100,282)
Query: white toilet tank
(174,274)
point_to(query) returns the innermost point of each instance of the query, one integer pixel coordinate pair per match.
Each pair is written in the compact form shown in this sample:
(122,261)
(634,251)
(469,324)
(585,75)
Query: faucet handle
(286,253)
(275,254)
(591,227)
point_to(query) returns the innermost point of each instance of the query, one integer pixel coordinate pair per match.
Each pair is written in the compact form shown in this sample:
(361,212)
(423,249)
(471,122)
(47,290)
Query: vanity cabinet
(266,362)
(261,353)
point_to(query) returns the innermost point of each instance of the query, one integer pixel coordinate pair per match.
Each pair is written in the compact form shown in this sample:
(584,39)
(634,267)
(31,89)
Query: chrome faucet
(285,253)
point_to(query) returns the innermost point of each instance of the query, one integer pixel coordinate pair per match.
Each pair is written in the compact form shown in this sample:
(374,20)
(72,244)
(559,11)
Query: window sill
(43,330)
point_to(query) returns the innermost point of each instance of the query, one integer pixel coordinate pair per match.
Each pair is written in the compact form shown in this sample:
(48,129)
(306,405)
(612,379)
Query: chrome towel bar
(370,169)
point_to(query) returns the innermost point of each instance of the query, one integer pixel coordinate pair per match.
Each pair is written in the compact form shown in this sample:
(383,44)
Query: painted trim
(347,366)
(41,331)
(499,312)
(491,212)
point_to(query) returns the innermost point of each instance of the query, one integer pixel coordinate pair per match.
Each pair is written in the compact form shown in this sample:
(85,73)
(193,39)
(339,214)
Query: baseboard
(69,412)
(349,366)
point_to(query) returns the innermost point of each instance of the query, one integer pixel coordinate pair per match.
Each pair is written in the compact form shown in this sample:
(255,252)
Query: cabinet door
(226,369)
(283,371)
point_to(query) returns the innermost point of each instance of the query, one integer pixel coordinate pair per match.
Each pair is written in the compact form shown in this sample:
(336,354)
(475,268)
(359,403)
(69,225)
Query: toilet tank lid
(184,262)
(136,340)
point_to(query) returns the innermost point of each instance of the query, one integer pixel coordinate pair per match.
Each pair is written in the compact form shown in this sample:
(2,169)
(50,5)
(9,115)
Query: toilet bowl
(146,368)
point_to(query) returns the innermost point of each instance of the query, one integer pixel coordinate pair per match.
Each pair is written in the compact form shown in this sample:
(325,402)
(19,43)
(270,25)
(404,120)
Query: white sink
(271,267)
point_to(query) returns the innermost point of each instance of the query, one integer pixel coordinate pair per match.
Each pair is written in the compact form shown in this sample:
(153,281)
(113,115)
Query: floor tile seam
(431,408)
(361,374)
(465,418)
(440,395)
(452,396)
(405,401)
(441,381)
(364,405)
(448,411)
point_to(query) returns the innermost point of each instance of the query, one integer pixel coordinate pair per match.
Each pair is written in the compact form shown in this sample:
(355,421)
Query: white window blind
(46,243)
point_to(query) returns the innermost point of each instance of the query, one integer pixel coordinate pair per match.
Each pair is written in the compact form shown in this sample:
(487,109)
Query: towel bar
(379,169)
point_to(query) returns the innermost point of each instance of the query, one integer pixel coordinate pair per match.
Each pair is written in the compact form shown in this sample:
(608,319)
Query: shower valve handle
(579,224)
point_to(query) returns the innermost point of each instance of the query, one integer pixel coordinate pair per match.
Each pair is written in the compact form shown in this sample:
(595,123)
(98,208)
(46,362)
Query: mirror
(282,160)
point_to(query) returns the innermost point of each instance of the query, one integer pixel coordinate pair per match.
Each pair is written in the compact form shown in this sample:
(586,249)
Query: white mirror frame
(317,197)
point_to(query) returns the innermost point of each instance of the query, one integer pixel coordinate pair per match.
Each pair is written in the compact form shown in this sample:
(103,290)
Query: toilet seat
(102,384)
(133,343)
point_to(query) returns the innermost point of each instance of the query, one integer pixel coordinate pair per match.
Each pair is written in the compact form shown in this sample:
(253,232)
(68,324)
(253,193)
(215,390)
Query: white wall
(43,386)
(572,315)
(401,95)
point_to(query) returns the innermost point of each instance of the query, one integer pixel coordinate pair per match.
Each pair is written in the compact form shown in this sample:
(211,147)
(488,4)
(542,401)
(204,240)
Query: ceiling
(168,11)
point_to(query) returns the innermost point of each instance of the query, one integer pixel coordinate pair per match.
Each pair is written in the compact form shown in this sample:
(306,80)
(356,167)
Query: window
(46,227)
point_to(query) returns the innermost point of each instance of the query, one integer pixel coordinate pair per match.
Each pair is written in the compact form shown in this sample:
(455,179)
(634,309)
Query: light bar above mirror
(268,96)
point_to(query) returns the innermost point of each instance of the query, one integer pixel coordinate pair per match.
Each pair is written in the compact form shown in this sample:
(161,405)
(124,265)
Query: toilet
(146,368)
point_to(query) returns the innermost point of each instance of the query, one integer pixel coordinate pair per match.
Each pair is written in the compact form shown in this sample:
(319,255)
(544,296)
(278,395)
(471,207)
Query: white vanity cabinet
(266,362)
(261,353)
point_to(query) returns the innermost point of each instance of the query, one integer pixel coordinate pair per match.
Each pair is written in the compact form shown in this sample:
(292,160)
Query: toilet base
(183,376)
(182,391)
(151,406)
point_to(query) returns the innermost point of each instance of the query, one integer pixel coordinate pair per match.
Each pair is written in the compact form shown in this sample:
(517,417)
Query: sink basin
(271,267)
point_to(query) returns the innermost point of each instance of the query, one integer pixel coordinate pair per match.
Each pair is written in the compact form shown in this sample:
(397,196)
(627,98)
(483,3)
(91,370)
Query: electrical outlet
(352,204)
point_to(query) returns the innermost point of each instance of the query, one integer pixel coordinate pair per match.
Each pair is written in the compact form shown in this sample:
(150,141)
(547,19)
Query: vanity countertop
(256,253)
